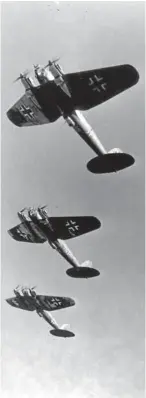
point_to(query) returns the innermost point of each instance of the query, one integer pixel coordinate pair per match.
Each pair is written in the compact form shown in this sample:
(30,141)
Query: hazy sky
(47,165)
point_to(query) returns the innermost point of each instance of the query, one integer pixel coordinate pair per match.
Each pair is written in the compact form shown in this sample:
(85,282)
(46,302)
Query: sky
(47,165)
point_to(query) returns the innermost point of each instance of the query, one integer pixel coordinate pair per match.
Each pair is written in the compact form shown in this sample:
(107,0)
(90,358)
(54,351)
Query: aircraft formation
(49,95)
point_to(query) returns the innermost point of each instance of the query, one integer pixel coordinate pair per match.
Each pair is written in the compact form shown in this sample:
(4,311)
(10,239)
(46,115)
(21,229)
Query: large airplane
(53,94)
(27,299)
(37,227)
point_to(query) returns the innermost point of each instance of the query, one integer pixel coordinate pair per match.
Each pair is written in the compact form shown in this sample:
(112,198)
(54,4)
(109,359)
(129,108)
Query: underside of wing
(41,302)
(21,303)
(93,87)
(51,303)
(22,234)
(70,227)
(27,112)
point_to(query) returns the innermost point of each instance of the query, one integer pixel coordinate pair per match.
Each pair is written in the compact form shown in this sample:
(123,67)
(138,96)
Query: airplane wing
(22,234)
(51,303)
(21,303)
(92,87)
(70,227)
(27,112)
(47,303)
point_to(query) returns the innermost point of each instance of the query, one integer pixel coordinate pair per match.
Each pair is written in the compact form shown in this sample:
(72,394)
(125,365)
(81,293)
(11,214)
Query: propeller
(33,287)
(24,208)
(54,60)
(16,288)
(36,66)
(24,74)
(42,207)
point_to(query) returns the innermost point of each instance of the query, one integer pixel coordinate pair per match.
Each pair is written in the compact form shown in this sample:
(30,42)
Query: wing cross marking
(97,83)
(72,227)
(26,111)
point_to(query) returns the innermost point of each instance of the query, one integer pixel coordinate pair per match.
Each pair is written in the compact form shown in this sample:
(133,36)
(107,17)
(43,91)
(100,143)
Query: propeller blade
(37,66)
(24,208)
(16,287)
(24,74)
(42,207)
(18,78)
(54,60)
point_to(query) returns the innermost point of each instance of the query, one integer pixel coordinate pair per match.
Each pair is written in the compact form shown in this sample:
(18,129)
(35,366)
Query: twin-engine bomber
(27,299)
(53,94)
(48,96)
(37,227)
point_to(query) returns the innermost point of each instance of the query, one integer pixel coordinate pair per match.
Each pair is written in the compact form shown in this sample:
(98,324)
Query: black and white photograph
(72,199)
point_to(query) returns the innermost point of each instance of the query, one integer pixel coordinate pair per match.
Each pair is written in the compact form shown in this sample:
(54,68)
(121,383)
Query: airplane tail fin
(86,264)
(65,326)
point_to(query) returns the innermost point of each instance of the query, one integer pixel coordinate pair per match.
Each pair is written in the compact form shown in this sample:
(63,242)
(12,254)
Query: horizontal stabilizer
(113,161)
(85,271)
(62,333)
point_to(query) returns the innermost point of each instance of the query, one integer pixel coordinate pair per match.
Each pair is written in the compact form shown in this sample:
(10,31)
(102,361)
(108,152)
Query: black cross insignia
(26,111)
(97,83)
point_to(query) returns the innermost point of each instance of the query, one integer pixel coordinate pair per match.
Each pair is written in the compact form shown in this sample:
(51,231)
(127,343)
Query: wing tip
(132,74)
(97,222)
(9,231)
(15,117)
(68,301)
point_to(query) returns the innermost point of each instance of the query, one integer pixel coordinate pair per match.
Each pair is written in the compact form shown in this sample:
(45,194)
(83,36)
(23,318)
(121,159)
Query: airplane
(51,94)
(37,227)
(27,299)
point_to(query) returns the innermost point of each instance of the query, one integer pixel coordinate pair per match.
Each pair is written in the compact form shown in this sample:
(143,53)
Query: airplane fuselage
(48,318)
(55,99)
(43,223)
(56,102)
(38,223)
